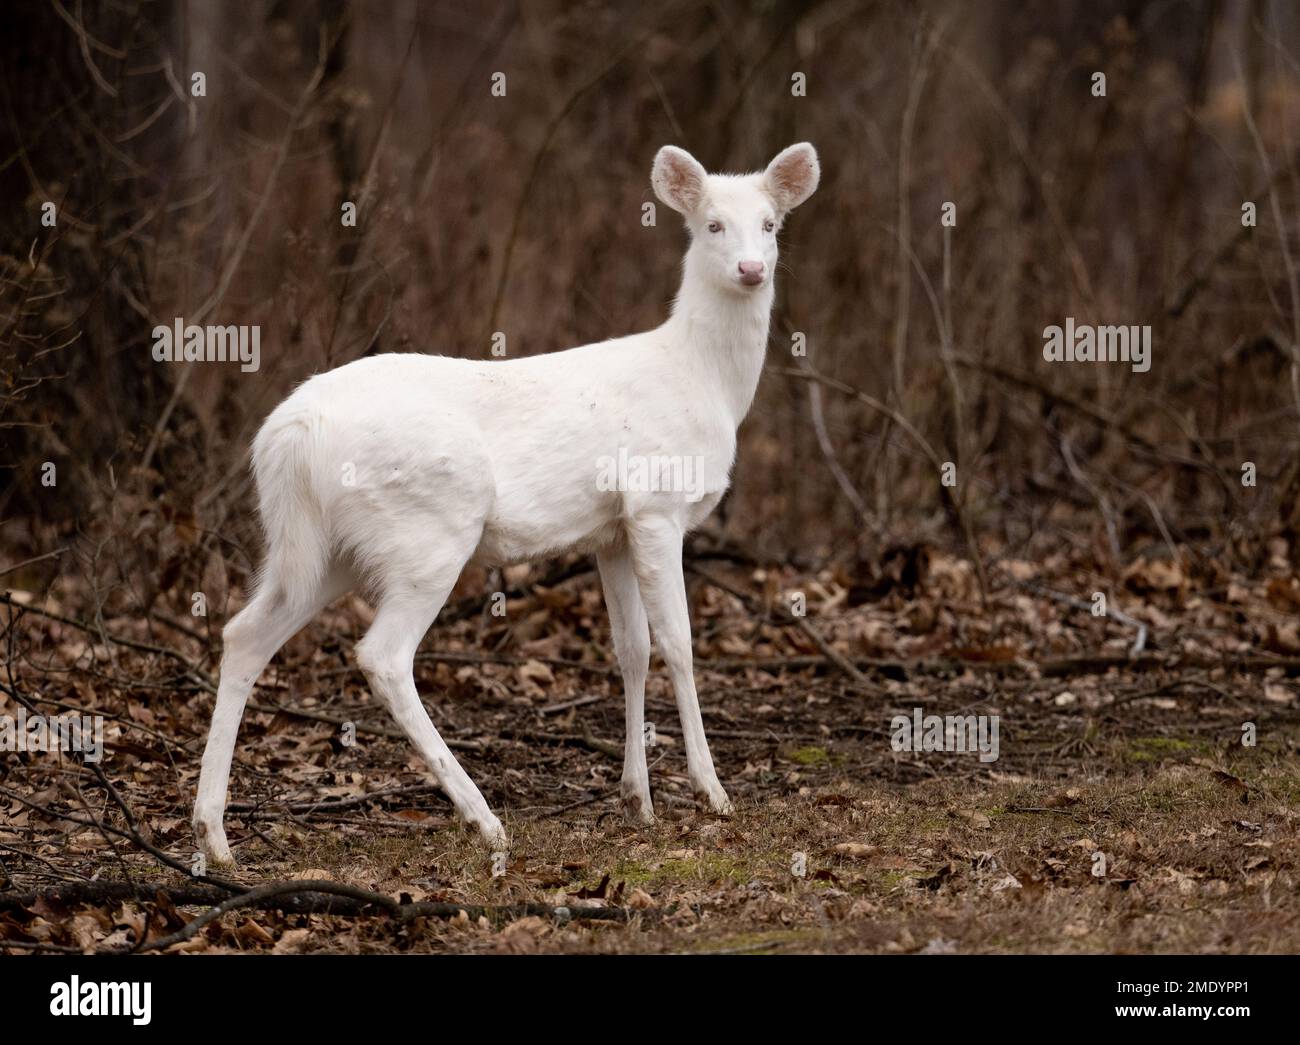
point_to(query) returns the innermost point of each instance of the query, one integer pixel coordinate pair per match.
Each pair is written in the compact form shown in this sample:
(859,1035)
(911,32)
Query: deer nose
(751,272)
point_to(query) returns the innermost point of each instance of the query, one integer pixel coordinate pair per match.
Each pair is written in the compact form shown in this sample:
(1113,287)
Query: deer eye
(715,226)
(769,225)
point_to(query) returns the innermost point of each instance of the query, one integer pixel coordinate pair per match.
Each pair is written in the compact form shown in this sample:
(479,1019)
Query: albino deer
(392,473)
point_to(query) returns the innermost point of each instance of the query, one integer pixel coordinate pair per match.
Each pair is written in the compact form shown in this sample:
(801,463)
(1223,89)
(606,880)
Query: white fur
(394,472)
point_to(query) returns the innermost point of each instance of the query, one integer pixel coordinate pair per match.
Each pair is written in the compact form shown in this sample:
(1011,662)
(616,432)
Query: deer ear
(678,179)
(793,176)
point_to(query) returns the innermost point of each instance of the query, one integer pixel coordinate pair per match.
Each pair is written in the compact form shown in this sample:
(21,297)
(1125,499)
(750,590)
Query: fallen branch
(360,727)
(1085,664)
(330,805)
(301,896)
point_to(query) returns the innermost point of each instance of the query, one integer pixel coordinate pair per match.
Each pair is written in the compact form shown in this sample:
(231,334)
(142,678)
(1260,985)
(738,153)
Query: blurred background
(522,214)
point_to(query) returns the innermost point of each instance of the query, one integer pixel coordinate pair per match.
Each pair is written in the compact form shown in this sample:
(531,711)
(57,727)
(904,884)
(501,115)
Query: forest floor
(1141,800)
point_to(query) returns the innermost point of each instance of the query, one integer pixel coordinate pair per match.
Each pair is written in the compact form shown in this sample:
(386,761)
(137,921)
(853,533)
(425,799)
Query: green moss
(895,877)
(703,867)
(633,873)
(707,867)
(810,756)
(1155,749)
(1165,743)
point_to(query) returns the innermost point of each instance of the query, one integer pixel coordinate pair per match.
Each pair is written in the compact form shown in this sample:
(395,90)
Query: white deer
(391,473)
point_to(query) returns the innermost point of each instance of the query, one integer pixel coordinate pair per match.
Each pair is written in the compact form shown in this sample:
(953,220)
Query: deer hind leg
(657,558)
(627,621)
(387,654)
(251,638)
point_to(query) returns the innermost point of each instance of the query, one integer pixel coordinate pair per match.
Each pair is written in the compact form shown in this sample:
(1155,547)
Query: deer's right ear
(793,176)
(678,179)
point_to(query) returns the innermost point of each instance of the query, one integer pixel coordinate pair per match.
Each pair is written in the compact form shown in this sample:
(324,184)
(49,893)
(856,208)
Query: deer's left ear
(793,176)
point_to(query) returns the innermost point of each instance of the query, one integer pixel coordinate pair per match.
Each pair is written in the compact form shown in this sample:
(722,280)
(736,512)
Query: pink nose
(751,272)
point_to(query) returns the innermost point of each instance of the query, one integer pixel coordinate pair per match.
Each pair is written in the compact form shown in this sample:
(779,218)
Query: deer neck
(722,334)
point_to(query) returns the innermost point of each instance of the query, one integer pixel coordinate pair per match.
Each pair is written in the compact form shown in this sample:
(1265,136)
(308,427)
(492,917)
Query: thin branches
(954,503)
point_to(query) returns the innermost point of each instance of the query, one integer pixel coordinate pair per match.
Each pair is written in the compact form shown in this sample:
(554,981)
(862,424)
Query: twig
(554,125)
(197,674)
(29,562)
(830,652)
(828,451)
(968,534)
(580,702)
(1139,643)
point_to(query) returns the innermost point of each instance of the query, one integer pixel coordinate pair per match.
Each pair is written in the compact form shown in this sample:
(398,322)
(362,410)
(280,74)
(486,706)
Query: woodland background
(522,214)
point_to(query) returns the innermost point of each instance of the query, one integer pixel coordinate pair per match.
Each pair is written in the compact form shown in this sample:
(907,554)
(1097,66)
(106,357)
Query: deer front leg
(656,544)
(627,622)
